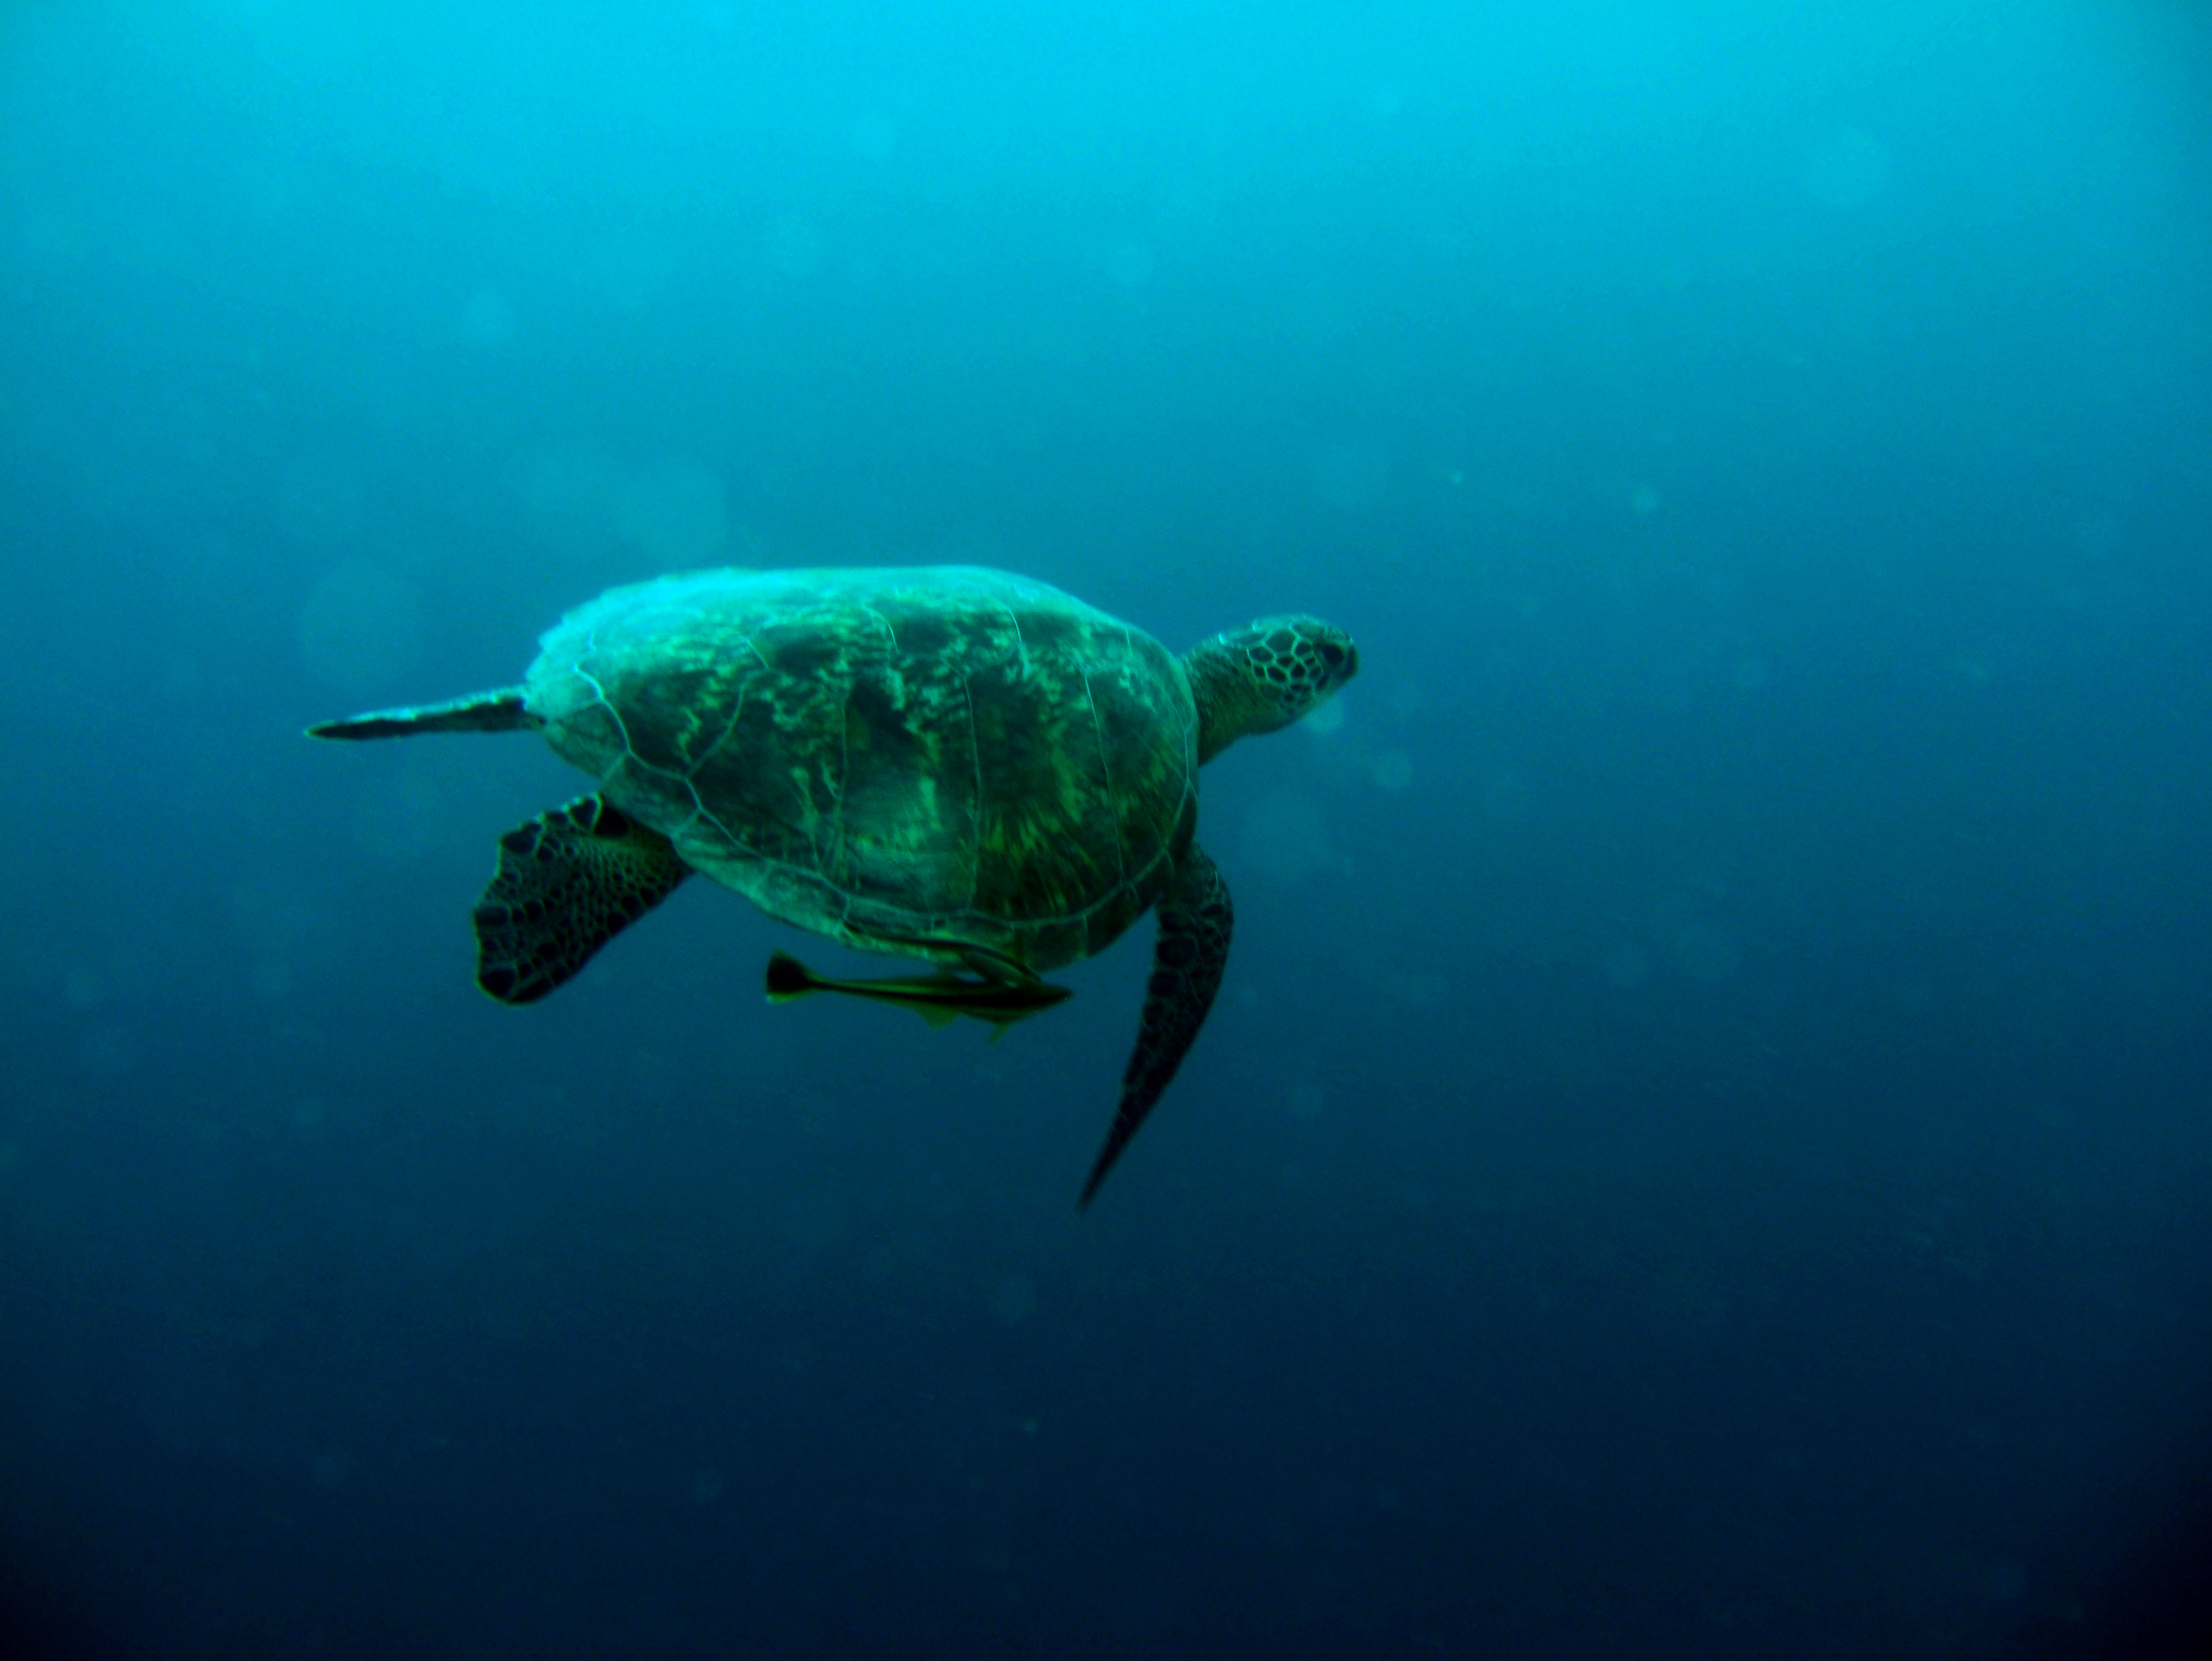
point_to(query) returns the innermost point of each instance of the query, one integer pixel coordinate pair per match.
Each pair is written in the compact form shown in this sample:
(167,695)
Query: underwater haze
(1703,1147)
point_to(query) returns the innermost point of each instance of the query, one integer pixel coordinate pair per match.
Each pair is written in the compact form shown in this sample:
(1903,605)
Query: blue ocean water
(1703,1148)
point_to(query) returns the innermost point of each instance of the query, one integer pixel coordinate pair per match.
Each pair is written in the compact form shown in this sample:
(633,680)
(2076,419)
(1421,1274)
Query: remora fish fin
(917,998)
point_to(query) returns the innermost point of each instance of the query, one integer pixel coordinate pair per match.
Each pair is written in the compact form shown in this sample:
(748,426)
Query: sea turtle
(947,763)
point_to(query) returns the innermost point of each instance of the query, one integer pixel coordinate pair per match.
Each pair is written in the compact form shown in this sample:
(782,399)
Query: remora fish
(937,998)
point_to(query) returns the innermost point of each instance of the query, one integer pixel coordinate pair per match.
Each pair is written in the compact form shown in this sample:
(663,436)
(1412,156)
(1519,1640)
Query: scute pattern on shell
(888,755)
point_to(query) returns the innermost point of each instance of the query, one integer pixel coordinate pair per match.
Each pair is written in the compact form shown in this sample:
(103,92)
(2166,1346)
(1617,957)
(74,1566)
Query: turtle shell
(907,760)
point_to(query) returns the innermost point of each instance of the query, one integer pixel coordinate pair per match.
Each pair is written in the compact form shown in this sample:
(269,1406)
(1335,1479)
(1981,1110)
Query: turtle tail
(481,711)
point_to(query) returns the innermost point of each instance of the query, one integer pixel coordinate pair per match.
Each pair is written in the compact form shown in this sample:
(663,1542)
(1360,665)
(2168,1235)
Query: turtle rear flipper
(568,882)
(480,712)
(1187,960)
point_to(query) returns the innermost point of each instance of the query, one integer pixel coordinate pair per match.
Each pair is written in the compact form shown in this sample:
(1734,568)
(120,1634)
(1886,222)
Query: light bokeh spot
(676,513)
(1286,838)
(361,628)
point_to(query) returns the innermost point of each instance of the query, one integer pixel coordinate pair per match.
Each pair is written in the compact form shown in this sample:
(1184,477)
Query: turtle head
(1265,675)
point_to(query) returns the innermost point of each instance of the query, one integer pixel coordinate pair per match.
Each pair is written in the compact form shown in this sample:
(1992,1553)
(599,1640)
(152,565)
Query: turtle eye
(1332,654)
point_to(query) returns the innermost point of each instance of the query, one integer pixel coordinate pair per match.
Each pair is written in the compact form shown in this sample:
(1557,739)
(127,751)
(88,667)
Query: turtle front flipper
(1187,960)
(568,882)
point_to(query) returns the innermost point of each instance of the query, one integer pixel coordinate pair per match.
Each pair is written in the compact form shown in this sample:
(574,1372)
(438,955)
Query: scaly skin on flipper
(1187,960)
(568,882)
